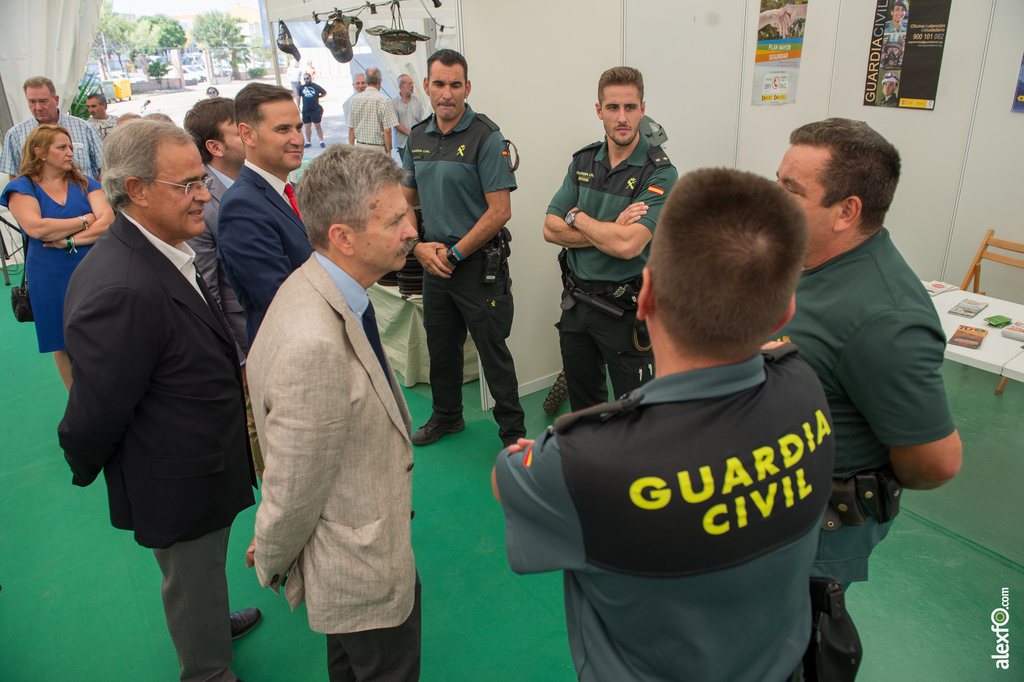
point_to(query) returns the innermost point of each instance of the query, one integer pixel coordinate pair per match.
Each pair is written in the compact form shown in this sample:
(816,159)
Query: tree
(143,40)
(172,34)
(112,35)
(158,69)
(218,29)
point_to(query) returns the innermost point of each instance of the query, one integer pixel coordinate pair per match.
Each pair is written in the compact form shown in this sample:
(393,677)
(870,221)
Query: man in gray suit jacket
(337,489)
(211,123)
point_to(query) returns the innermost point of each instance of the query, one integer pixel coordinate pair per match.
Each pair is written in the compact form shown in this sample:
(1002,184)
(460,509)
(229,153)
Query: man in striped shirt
(372,116)
(42,101)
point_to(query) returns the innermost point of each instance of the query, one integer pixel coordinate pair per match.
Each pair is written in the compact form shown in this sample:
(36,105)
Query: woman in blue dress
(62,212)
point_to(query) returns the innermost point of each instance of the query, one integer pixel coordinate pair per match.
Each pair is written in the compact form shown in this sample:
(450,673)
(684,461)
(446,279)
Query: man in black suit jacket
(211,123)
(156,398)
(261,238)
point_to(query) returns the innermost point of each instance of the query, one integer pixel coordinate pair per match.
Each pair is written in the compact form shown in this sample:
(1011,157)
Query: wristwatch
(453,260)
(570,217)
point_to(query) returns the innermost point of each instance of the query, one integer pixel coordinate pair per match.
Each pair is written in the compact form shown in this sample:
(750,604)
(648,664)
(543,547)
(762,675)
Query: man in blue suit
(261,238)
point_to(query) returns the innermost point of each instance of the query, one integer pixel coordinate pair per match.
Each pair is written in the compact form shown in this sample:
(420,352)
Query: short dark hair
(620,75)
(253,96)
(203,122)
(448,58)
(39,82)
(725,260)
(98,96)
(862,164)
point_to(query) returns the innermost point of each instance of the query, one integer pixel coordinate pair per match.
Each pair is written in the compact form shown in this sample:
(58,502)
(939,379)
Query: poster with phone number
(780,41)
(907,40)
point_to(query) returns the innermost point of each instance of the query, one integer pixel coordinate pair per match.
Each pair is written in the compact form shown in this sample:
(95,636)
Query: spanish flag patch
(656,190)
(529,456)
(504,152)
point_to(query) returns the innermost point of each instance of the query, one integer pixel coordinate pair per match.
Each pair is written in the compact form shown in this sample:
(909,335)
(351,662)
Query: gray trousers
(195,595)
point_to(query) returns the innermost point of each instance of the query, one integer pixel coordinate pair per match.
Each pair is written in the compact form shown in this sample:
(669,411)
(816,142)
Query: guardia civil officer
(604,215)
(686,516)
(458,172)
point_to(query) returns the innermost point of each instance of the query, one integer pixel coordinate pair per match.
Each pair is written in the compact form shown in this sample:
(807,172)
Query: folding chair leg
(1002,385)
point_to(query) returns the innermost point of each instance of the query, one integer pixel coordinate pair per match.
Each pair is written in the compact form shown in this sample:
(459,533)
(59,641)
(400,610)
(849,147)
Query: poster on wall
(780,41)
(907,38)
(1018,99)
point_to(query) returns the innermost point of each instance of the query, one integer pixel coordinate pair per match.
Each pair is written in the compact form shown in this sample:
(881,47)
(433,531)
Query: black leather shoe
(242,622)
(435,429)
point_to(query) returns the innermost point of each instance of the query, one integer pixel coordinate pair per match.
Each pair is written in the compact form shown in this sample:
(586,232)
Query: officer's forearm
(620,241)
(499,211)
(556,231)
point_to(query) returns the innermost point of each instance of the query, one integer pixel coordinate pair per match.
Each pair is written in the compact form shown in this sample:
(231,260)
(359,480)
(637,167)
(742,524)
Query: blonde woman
(62,212)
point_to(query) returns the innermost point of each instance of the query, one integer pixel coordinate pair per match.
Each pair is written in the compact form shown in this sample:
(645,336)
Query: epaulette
(424,122)
(627,403)
(488,122)
(594,145)
(776,354)
(658,157)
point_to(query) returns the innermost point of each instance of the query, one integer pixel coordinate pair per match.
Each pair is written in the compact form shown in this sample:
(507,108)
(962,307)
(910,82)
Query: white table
(996,351)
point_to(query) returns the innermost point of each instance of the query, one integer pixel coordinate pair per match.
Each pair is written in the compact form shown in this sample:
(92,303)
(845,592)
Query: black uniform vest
(460,147)
(690,487)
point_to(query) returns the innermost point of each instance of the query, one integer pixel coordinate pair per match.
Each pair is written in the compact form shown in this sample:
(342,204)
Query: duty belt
(611,298)
(864,495)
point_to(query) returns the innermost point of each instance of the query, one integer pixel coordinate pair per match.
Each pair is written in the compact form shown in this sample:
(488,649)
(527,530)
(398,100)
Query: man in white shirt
(409,110)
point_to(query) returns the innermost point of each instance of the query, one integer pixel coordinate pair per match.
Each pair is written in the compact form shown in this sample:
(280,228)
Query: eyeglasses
(193,186)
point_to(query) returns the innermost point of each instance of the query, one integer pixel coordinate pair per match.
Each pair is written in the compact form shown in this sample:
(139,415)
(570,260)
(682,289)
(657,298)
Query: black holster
(834,652)
(577,294)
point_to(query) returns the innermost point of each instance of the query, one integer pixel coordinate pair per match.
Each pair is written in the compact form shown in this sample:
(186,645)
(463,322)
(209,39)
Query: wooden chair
(974,272)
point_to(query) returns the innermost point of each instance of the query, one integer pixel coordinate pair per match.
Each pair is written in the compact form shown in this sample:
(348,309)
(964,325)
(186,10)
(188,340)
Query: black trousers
(383,655)
(450,307)
(589,340)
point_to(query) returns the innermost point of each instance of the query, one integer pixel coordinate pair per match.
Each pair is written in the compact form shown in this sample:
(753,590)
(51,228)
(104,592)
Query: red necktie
(290,193)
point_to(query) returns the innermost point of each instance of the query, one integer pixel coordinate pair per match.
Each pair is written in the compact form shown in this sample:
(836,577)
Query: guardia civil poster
(907,39)
(780,42)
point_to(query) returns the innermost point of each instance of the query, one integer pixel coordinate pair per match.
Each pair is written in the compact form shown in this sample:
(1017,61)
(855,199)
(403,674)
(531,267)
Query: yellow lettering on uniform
(787,491)
(802,488)
(741,512)
(763,458)
(656,488)
(686,488)
(810,437)
(735,474)
(712,528)
(792,449)
(765,506)
(823,428)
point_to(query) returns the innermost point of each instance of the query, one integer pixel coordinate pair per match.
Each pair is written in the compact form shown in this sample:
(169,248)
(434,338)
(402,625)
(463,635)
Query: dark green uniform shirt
(735,621)
(870,331)
(603,193)
(453,171)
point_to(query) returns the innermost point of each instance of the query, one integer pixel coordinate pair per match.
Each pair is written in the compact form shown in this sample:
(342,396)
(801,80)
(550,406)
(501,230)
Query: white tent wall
(959,161)
(45,38)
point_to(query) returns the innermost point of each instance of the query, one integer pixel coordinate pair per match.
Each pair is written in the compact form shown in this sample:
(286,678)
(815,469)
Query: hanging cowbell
(337,36)
(285,42)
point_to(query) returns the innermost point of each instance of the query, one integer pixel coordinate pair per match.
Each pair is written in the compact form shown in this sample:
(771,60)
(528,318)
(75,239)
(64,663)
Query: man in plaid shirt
(371,116)
(42,101)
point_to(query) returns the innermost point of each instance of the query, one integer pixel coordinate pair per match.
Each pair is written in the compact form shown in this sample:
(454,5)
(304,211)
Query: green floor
(80,600)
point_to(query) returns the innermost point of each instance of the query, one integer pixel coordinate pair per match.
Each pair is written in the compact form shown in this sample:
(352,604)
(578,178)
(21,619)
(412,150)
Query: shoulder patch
(779,352)
(487,122)
(658,157)
(595,145)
